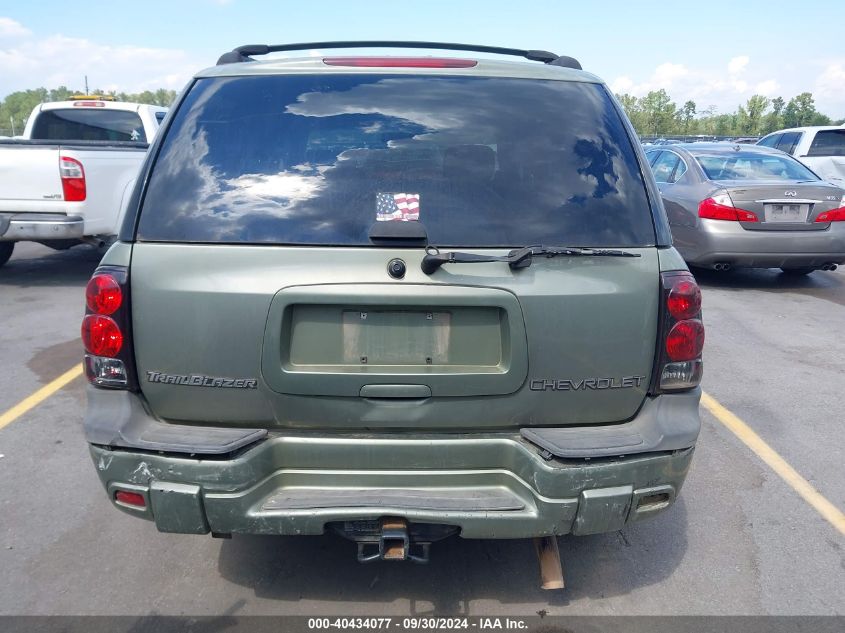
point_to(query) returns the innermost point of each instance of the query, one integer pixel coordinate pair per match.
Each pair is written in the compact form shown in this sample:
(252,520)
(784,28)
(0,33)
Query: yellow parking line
(39,396)
(774,461)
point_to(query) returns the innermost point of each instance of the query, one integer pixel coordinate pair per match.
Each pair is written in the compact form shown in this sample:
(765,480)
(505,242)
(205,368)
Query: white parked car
(821,148)
(67,179)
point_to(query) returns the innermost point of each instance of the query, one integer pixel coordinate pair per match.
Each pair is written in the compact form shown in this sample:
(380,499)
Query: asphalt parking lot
(739,541)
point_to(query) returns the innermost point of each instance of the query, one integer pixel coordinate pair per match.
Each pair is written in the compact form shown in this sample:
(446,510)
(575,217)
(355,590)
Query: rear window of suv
(88,124)
(317,159)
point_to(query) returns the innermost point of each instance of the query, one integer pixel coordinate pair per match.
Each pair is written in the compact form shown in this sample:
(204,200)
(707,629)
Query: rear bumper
(40,226)
(728,242)
(510,493)
(490,485)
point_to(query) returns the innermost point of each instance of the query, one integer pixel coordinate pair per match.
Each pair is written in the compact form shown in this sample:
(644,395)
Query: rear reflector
(834,215)
(135,499)
(101,336)
(73,179)
(400,62)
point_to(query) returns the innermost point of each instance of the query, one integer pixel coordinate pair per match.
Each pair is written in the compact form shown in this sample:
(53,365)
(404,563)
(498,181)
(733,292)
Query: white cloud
(828,91)
(738,64)
(32,61)
(730,83)
(767,88)
(11,28)
(664,76)
(622,85)
(667,73)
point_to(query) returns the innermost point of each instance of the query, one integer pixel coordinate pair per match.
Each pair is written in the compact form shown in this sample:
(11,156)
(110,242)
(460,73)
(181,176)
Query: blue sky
(716,53)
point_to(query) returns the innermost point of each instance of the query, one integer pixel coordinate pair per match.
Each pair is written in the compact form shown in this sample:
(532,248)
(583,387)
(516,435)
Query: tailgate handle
(416,392)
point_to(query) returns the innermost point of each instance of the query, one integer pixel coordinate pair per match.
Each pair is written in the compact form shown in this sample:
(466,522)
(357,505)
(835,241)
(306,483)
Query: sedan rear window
(752,166)
(318,159)
(828,143)
(88,124)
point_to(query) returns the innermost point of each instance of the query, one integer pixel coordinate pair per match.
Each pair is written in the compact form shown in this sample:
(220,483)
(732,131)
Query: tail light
(719,206)
(834,215)
(681,335)
(73,179)
(106,330)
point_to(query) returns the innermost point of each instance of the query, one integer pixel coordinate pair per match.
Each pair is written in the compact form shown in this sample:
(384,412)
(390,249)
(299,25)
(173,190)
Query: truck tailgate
(29,173)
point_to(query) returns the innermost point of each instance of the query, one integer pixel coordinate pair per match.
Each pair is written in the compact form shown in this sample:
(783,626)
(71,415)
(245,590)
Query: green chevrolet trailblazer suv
(395,298)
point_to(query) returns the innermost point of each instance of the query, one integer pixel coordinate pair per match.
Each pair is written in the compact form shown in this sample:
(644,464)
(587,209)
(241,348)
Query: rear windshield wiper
(517,258)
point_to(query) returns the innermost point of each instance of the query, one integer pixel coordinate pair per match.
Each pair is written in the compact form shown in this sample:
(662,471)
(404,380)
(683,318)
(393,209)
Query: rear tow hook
(394,543)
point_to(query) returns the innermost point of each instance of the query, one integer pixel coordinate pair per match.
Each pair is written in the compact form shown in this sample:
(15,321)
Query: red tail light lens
(103,294)
(101,336)
(684,300)
(126,497)
(73,179)
(685,340)
(715,209)
(834,215)
(400,62)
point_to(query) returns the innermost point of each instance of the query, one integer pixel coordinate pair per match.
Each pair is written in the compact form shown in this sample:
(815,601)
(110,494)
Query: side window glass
(771,140)
(680,170)
(651,155)
(788,142)
(664,166)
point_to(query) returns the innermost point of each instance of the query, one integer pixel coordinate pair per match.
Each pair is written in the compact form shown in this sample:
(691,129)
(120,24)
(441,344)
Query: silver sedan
(749,206)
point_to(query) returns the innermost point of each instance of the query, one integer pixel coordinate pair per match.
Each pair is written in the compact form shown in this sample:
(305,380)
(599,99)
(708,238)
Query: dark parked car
(749,206)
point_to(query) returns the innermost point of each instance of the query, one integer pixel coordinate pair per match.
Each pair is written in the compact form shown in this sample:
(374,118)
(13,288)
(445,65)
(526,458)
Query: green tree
(754,110)
(773,121)
(658,112)
(688,114)
(800,111)
(632,108)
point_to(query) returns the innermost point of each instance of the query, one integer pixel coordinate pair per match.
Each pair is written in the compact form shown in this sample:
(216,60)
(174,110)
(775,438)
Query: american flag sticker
(397,207)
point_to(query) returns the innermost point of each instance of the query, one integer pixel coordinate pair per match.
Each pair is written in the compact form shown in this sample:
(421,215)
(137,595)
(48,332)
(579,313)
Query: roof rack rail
(244,53)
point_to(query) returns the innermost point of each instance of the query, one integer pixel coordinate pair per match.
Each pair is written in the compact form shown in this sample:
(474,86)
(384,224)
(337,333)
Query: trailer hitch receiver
(393,543)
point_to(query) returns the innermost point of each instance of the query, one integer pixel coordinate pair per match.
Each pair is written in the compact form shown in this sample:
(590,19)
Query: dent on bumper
(491,485)
(494,487)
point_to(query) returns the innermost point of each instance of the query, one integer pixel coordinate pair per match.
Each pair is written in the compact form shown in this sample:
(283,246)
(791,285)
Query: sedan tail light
(719,206)
(834,215)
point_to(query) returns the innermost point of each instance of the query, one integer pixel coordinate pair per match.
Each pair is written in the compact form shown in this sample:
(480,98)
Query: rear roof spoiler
(245,53)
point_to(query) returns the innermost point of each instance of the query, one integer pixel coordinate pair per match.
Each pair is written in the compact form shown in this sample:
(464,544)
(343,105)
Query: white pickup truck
(821,148)
(67,179)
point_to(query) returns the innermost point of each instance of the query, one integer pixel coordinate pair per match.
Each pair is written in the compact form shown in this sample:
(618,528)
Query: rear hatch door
(259,298)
